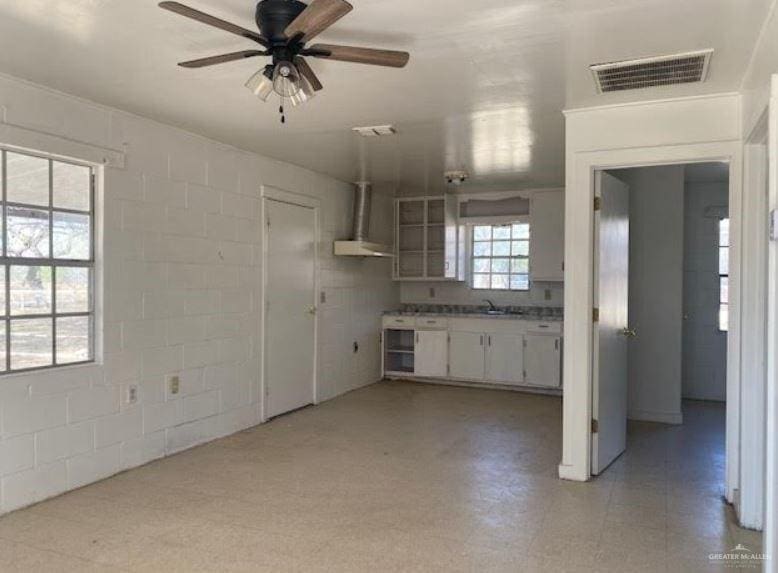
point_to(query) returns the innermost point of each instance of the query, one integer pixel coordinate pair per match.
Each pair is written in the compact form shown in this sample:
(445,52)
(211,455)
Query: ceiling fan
(285,27)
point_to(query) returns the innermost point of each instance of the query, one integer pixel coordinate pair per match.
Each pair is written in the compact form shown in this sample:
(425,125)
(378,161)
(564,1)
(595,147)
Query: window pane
(482,232)
(71,236)
(72,289)
(724,290)
(500,265)
(500,282)
(28,179)
(2,298)
(3,347)
(30,290)
(73,339)
(502,232)
(520,248)
(724,233)
(31,343)
(519,265)
(482,249)
(521,231)
(724,261)
(501,249)
(72,186)
(28,232)
(520,282)
(724,317)
(481,265)
(480,281)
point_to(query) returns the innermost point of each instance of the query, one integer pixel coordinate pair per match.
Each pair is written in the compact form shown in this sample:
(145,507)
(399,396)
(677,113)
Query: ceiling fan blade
(369,56)
(317,17)
(305,70)
(182,10)
(213,60)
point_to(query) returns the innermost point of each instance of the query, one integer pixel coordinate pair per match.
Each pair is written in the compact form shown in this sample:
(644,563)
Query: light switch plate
(774,225)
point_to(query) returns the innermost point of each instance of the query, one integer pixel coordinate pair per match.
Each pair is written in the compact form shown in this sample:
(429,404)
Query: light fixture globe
(261,83)
(286,79)
(305,93)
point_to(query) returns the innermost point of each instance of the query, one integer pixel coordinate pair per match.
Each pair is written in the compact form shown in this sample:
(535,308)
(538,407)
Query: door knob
(312,310)
(629,332)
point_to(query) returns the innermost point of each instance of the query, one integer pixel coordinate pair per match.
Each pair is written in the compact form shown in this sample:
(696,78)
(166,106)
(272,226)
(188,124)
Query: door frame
(579,247)
(300,200)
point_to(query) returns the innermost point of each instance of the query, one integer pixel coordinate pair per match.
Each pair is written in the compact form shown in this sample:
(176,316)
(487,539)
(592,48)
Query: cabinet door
(466,351)
(504,358)
(430,353)
(542,360)
(547,239)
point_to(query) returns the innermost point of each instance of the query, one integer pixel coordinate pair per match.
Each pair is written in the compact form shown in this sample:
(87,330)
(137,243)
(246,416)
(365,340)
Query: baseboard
(675,418)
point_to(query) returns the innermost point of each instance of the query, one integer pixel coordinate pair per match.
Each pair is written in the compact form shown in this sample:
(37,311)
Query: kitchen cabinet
(547,243)
(542,360)
(431,353)
(426,239)
(466,355)
(505,358)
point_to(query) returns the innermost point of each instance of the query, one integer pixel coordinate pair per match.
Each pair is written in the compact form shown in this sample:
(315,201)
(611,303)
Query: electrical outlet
(132,394)
(323,297)
(432,292)
(548,294)
(175,384)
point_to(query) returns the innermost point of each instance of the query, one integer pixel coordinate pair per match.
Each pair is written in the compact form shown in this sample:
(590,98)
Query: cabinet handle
(556,344)
(482,340)
(489,340)
(417,338)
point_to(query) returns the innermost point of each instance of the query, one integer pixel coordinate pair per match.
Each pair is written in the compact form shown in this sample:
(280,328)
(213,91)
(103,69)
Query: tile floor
(397,477)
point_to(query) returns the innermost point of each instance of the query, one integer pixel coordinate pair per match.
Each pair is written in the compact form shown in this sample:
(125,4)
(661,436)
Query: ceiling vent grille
(686,68)
(375,130)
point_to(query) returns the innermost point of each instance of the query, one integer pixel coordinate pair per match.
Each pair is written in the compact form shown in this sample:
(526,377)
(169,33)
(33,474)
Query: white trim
(579,241)
(640,103)
(656,416)
(750,503)
(275,194)
(24,139)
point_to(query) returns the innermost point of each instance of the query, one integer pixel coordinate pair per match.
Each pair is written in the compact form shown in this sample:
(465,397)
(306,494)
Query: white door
(611,288)
(290,320)
(431,353)
(542,360)
(547,247)
(466,355)
(505,358)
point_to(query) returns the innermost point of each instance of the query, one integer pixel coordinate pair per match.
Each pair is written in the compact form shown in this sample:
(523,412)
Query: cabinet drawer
(399,322)
(539,327)
(431,322)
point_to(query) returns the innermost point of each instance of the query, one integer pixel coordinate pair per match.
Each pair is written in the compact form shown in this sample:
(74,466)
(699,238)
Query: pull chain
(281,111)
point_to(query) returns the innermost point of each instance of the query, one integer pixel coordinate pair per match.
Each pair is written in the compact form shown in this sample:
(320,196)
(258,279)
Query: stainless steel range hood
(359,245)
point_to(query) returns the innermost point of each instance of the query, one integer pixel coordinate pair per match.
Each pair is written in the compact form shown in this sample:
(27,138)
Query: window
(501,257)
(47,268)
(724,275)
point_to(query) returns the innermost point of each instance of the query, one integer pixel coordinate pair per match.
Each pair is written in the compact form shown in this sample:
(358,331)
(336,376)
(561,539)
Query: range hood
(359,245)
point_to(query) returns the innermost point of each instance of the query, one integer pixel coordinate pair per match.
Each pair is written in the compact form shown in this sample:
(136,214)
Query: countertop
(506,316)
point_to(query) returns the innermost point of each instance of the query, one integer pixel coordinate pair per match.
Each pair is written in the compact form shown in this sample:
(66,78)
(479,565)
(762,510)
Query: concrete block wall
(181,254)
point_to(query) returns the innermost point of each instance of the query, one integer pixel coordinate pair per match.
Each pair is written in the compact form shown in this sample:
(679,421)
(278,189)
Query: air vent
(375,130)
(686,68)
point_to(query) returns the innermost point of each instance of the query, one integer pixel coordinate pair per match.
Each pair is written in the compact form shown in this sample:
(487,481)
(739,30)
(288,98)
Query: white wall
(656,207)
(461,293)
(181,256)
(704,345)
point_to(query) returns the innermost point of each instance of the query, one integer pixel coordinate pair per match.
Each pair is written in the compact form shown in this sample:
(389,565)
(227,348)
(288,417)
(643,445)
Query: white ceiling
(484,89)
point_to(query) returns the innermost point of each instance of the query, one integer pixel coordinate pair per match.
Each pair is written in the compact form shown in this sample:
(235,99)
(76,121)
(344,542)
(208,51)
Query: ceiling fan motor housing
(273,17)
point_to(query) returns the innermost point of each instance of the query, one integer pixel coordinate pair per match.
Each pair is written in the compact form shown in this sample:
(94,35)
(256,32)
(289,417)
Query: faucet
(491,304)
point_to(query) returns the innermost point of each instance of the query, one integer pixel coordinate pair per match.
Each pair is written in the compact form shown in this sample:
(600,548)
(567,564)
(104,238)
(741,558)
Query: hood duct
(360,245)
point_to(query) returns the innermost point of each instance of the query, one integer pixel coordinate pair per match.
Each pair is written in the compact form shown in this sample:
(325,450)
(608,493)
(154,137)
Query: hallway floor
(398,476)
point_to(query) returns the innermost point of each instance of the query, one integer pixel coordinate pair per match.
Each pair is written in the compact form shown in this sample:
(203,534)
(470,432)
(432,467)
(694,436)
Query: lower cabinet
(466,355)
(543,360)
(431,353)
(505,358)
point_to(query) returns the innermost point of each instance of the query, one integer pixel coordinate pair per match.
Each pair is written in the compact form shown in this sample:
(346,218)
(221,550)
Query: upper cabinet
(547,236)
(426,238)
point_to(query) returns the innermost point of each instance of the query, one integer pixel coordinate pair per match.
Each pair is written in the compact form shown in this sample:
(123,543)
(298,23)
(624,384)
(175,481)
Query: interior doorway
(661,271)
(290,307)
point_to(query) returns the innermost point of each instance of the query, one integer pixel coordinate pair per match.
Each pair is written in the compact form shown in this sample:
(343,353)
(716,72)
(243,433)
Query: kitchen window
(724,275)
(500,257)
(47,267)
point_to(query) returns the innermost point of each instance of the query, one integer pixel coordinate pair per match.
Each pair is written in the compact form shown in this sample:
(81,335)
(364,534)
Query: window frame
(52,262)
(721,276)
(472,258)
